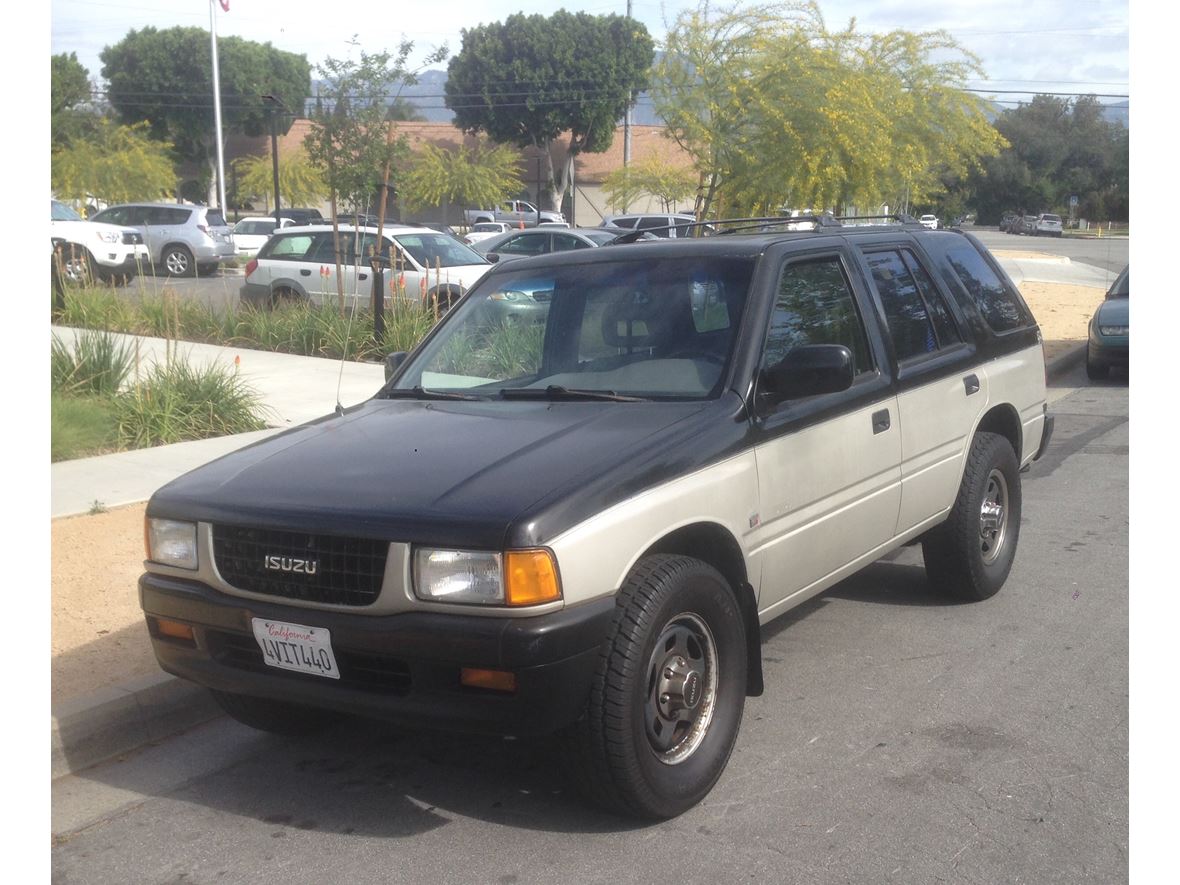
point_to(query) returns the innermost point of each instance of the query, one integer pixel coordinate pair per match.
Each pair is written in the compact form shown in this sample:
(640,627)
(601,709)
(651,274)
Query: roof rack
(823,221)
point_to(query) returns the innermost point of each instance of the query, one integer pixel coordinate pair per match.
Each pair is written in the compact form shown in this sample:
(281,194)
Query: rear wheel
(283,295)
(178,262)
(278,717)
(667,698)
(77,266)
(970,555)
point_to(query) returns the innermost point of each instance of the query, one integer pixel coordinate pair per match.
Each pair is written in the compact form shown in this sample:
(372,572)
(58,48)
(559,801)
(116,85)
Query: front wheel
(668,694)
(1096,370)
(970,555)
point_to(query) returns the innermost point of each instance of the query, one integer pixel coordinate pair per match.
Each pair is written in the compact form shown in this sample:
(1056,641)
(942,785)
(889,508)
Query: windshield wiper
(419,392)
(557,392)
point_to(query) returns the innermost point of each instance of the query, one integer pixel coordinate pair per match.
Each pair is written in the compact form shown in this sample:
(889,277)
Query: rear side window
(1000,307)
(167,215)
(213,218)
(293,247)
(919,321)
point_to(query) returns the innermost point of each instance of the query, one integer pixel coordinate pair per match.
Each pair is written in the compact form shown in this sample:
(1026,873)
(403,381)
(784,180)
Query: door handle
(880,421)
(971,384)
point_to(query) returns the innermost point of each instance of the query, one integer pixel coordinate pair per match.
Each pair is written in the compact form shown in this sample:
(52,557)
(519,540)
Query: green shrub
(80,426)
(177,401)
(96,364)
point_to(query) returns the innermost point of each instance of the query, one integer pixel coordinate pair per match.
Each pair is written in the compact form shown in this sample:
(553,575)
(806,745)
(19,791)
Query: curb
(122,718)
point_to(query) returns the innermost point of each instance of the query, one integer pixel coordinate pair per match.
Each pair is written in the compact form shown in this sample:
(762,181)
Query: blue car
(1109,327)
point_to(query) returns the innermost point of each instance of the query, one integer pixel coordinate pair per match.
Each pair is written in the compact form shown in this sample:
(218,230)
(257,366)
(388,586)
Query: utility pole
(217,103)
(627,128)
(275,104)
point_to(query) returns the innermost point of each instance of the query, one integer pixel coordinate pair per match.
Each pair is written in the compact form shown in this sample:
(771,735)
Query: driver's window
(815,305)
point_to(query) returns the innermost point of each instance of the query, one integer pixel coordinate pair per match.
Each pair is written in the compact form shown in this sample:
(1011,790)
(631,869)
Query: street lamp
(275,103)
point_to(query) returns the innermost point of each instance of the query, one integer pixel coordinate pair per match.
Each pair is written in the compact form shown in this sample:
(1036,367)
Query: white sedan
(251,233)
(486,229)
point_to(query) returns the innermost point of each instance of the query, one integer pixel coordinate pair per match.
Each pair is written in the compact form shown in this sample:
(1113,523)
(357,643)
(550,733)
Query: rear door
(940,394)
(828,465)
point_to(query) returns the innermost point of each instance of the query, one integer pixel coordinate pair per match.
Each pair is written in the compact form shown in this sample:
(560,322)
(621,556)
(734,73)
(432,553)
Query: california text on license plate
(296,647)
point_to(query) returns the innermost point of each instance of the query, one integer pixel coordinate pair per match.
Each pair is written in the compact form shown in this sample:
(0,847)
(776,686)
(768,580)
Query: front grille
(302,565)
(362,671)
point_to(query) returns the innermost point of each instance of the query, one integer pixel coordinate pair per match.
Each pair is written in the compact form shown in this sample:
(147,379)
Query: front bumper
(403,667)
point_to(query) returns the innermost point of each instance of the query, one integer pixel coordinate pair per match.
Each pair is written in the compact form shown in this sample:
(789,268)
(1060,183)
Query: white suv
(91,249)
(181,238)
(929,221)
(1047,225)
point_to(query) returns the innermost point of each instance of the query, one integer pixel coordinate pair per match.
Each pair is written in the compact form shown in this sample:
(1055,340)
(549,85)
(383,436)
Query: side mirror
(393,362)
(808,370)
(492,257)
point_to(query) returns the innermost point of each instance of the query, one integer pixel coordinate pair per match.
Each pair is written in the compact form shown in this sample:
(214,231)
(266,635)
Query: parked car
(1007,220)
(541,241)
(299,264)
(1047,225)
(1027,225)
(251,233)
(669,226)
(303,216)
(439,226)
(182,239)
(578,527)
(92,250)
(484,230)
(929,221)
(515,212)
(1109,339)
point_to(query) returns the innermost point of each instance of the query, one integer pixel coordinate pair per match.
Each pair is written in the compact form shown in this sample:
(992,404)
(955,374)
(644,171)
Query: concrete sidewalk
(91,729)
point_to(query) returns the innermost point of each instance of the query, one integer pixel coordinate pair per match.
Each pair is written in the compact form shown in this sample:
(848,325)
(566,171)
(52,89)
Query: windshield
(438,250)
(62,212)
(649,329)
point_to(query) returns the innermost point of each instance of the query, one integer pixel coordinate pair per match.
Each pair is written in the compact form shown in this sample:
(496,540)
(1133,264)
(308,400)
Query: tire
(277,717)
(77,266)
(284,295)
(178,262)
(969,556)
(668,692)
(446,299)
(1095,370)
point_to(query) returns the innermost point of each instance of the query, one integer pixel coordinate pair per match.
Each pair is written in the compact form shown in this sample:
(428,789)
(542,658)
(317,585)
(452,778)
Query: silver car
(181,238)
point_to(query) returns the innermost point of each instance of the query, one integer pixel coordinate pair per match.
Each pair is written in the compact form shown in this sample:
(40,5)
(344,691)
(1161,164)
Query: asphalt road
(901,738)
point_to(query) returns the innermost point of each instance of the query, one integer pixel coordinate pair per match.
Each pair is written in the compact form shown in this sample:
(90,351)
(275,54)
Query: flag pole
(217,106)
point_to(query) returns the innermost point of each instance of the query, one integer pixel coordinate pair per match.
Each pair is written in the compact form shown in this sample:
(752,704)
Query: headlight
(109,236)
(518,577)
(1113,330)
(171,542)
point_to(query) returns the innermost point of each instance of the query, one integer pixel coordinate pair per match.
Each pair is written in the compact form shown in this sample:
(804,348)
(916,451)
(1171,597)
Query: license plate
(296,647)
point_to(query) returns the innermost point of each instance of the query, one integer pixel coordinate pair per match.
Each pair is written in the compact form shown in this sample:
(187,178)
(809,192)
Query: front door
(828,465)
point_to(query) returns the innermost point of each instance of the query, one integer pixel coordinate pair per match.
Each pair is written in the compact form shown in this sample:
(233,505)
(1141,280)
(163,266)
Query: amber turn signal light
(174,630)
(530,577)
(497,680)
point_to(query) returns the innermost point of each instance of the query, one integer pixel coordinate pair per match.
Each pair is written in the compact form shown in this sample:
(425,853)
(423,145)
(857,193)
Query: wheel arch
(1003,419)
(714,545)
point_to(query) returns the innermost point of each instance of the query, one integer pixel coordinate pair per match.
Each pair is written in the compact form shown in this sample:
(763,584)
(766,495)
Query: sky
(1071,46)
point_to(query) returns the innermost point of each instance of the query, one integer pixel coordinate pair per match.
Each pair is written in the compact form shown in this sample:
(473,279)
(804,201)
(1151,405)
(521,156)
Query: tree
(350,140)
(651,176)
(69,87)
(528,79)
(166,78)
(1059,147)
(777,110)
(481,176)
(116,163)
(299,181)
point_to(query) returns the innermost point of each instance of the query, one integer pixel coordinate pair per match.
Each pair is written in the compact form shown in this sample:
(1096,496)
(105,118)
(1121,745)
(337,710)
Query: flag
(224,4)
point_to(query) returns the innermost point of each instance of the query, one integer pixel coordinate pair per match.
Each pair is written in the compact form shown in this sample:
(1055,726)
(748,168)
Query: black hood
(439,472)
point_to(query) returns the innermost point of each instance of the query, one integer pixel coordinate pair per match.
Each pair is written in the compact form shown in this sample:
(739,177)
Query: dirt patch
(99,637)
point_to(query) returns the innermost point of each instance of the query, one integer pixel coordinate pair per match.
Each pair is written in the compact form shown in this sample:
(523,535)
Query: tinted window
(627,221)
(654,223)
(254,227)
(815,305)
(565,242)
(162,215)
(1000,307)
(214,218)
(919,321)
(601,237)
(525,244)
